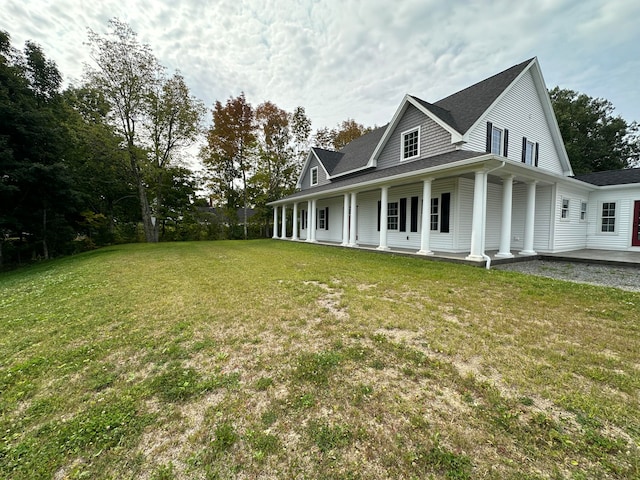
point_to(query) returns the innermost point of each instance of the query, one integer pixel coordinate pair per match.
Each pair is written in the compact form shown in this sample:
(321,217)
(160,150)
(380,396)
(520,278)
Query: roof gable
(464,108)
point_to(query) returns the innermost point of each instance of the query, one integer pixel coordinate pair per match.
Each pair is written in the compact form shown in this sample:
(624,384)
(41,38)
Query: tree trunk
(45,248)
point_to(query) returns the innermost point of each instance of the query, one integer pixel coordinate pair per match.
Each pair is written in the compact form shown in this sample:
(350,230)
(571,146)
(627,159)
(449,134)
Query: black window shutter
(379,212)
(445,208)
(316,218)
(403,214)
(524,149)
(489,130)
(301,219)
(414,214)
(326,218)
(506,142)
(536,157)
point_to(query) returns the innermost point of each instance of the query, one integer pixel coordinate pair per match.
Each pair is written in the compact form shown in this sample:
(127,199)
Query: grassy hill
(270,359)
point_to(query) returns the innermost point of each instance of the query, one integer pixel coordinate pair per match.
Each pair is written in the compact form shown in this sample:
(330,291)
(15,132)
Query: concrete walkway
(603,257)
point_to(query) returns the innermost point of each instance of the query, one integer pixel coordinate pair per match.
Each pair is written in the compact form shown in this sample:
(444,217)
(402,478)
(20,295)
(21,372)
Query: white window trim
(585,211)
(501,143)
(562,209)
(322,221)
(532,160)
(313,169)
(402,135)
(396,216)
(615,217)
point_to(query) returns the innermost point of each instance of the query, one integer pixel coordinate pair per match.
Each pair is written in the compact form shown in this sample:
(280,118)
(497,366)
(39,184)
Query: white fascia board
(304,169)
(552,121)
(455,136)
(418,174)
(306,165)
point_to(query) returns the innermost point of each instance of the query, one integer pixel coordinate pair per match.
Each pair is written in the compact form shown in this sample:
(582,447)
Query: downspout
(484,227)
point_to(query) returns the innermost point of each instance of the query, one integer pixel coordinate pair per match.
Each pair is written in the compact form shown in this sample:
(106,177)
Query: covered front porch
(486,211)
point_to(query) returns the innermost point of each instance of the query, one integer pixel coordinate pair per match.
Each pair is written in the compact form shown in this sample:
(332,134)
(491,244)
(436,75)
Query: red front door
(635,240)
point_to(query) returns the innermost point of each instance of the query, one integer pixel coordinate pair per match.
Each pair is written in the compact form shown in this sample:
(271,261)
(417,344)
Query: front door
(635,239)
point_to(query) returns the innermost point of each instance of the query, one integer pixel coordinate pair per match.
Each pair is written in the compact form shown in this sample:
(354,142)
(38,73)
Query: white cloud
(355,59)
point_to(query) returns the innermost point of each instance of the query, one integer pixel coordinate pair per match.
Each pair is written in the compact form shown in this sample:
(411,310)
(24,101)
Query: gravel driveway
(626,278)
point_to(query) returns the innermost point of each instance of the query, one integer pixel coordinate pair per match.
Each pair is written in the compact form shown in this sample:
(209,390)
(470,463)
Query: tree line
(106,161)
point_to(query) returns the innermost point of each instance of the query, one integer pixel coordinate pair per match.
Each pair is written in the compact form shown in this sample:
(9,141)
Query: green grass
(270,359)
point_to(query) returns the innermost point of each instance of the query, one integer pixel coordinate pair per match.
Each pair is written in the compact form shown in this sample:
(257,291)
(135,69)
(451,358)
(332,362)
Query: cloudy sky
(353,59)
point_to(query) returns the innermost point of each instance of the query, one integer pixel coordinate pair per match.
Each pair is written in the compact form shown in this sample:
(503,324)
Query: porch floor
(605,257)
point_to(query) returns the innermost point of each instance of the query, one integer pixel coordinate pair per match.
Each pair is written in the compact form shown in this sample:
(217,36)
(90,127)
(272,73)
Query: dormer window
(411,144)
(314,176)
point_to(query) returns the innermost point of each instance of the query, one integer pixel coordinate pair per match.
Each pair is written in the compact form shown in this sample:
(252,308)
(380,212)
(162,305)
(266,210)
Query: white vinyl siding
(334,232)
(434,139)
(570,233)
(521,112)
(620,240)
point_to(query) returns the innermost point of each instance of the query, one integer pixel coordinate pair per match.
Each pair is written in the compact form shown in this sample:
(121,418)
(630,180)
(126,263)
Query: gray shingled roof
(462,109)
(356,154)
(329,158)
(406,167)
(611,177)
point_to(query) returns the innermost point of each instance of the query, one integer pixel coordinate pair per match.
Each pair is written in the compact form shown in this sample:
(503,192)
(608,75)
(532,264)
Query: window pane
(410,144)
(434,214)
(496,141)
(528,157)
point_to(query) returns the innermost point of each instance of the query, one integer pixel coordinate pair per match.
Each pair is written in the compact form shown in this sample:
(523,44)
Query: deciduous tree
(229,153)
(156,116)
(594,138)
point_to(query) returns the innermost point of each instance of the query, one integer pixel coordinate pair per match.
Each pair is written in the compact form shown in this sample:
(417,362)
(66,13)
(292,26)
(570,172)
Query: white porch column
(294,235)
(384,202)
(275,222)
(479,212)
(529,223)
(353,226)
(345,220)
(425,234)
(309,205)
(284,222)
(313,227)
(505,232)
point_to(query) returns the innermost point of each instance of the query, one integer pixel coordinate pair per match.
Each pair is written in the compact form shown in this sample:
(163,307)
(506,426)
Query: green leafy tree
(38,196)
(337,138)
(594,138)
(229,155)
(155,115)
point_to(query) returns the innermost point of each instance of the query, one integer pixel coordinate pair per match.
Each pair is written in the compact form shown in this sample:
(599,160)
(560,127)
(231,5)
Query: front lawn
(273,359)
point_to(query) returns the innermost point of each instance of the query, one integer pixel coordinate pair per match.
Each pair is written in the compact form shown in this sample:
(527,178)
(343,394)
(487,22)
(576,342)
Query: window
(411,144)
(314,176)
(392,216)
(496,140)
(583,211)
(564,213)
(608,217)
(434,214)
(321,219)
(529,152)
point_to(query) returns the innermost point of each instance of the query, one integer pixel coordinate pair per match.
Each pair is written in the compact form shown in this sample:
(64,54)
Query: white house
(482,170)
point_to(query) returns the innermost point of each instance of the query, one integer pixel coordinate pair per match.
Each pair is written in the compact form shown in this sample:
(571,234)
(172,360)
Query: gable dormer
(415,132)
